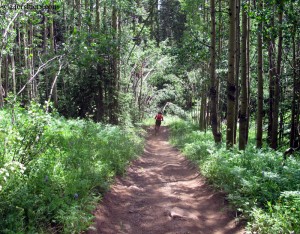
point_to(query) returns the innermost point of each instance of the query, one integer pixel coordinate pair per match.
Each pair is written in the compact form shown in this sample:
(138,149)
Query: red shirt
(159,117)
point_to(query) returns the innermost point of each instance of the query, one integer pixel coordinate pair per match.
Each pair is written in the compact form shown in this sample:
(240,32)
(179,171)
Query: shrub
(263,188)
(53,171)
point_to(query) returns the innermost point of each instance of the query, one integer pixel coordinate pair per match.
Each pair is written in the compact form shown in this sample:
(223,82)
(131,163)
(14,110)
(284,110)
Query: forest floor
(163,193)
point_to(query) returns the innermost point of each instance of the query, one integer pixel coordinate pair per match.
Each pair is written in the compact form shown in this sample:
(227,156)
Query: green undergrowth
(53,171)
(264,189)
(168,120)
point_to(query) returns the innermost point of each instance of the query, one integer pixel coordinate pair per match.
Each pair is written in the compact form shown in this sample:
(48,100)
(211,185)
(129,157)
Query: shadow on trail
(162,192)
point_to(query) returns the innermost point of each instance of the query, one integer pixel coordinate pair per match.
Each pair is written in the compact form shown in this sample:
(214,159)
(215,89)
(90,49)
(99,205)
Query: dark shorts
(158,122)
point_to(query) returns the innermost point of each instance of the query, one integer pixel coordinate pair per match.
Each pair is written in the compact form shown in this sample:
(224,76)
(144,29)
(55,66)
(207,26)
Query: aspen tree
(213,89)
(231,88)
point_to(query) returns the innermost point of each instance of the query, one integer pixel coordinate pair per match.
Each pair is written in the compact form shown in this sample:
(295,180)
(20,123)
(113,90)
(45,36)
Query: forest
(80,80)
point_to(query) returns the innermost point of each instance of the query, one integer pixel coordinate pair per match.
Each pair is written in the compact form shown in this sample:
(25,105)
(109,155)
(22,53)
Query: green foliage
(172,20)
(282,217)
(53,170)
(258,183)
(168,120)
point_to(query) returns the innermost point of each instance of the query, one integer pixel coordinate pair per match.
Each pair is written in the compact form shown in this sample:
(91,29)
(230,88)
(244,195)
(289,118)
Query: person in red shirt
(159,117)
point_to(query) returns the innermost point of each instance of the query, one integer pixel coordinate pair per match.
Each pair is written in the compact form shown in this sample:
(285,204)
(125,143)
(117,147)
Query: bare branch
(37,72)
(53,84)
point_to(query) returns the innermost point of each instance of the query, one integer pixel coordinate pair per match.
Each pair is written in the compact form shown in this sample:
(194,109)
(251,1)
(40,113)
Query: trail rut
(163,193)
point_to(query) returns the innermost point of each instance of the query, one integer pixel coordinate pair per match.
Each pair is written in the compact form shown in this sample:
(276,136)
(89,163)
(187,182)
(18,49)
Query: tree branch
(37,72)
(53,84)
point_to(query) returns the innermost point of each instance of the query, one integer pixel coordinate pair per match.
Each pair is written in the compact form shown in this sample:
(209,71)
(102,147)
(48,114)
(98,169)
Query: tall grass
(168,120)
(53,170)
(263,187)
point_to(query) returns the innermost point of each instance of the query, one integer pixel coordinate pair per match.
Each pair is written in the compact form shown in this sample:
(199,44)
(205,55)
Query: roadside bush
(258,183)
(53,171)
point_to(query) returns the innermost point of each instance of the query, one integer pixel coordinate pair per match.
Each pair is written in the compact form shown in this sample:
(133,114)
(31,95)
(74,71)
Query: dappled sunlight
(162,192)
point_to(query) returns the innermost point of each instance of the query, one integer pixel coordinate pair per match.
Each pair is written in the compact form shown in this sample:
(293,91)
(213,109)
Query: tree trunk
(237,68)
(157,13)
(104,17)
(31,64)
(13,73)
(52,50)
(45,32)
(19,39)
(213,89)
(98,20)
(244,85)
(248,74)
(140,104)
(294,142)
(73,25)
(231,89)
(220,104)
(114,81)
(45,42)
(99,97)
(271,92)
(26,98)
(274,139)
(6,73)
(294,106)
(202,109)
(1,88)
(271,52)
(78,6)
(260,94)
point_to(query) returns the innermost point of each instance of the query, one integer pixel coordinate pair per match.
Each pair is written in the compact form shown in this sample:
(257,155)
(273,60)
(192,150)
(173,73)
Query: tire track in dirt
(163,193)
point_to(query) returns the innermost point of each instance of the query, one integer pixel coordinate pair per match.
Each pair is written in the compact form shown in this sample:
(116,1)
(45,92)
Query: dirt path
(163,193)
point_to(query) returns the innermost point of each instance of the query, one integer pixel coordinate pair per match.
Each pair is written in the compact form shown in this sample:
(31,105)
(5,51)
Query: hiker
(159,117)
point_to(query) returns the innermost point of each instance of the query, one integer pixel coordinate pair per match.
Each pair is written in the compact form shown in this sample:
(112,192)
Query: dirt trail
(163,193)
